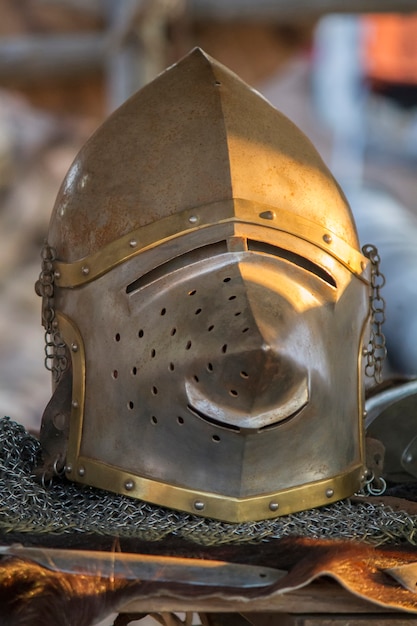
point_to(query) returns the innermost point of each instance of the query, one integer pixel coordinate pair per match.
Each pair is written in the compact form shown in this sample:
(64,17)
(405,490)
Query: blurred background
(348,80)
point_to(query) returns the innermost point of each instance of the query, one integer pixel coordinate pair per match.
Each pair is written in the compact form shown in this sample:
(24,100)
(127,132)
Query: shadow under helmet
(206,304)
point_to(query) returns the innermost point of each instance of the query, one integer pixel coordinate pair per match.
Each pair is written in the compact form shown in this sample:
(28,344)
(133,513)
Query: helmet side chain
(56,359)
(376,350)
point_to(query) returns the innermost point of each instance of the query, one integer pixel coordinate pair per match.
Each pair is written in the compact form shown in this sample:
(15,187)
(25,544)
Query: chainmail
(64,507)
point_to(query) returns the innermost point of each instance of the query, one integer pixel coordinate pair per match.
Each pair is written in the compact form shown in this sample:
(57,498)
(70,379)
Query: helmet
(210,291)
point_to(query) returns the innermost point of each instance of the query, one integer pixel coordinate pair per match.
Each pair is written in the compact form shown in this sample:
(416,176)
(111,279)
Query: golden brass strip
(73,339)
(212,215)
(213,505)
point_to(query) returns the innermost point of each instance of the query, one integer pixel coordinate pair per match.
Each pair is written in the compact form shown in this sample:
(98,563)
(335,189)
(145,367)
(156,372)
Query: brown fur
(33,596)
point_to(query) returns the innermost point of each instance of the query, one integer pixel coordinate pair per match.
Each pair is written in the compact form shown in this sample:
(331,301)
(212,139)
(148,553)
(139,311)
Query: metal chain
(376,350)
(56,359)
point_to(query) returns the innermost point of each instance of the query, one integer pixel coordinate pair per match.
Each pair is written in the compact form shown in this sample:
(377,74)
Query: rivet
(363,265)
(85,270)
(193,219)
(364,351)
(68,468)
(329,493)
(55,324)
(59,420)
(57,274)
(327,238)
(74,404)
(267,215)
(408,458)
(133,243)
(129,484)
(365,413)
(81,471)
(199,505)
(74,347)
(273,506)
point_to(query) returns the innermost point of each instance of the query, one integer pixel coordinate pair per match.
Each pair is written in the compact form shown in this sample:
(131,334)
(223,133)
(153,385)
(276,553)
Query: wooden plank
(261,619)
(285,9)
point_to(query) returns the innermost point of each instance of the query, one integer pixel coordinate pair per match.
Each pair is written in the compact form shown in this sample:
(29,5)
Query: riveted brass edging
(214,505)
(73,339)
(208,216)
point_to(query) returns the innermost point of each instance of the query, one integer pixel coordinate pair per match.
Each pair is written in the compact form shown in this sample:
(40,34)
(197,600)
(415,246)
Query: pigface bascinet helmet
(206,305)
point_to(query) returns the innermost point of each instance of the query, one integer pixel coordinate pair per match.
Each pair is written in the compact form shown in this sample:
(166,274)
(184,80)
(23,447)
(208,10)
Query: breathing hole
(173,331)
(188,346)
(224,348)
(171,367)
(238,313)
(134,371)
(210,367)
(233,393)
(192,292)
(117,337)
(245,330)
(115,374)
(180,420)
(197,312)
(210,328)
(244,374)
(154,420)
(196,378)
(216,438)
(130,405)
(153,353)
(227,279)
(154,390)
(163,311)
(232,298)
(141,333)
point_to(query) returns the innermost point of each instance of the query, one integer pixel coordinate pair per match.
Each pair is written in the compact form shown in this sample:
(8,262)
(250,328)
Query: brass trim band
(231,211)
(234,510)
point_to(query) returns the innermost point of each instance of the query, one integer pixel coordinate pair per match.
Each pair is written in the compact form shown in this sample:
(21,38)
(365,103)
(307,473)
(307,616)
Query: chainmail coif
(65,507)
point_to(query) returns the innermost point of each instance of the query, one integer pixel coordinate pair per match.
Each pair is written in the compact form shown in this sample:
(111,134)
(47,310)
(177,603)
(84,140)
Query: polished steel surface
(211,292)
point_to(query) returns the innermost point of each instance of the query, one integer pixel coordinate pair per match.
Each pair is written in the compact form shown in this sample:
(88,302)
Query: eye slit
(292,257)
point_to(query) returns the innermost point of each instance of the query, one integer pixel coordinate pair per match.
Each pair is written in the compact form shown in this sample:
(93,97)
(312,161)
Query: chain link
(376,350)
(56,359)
